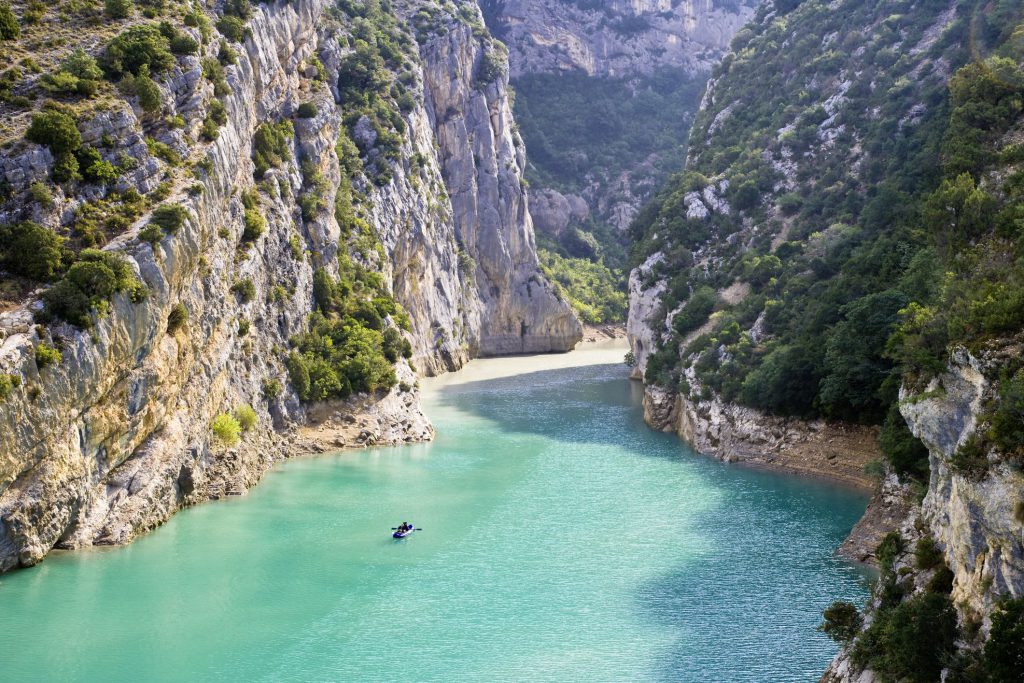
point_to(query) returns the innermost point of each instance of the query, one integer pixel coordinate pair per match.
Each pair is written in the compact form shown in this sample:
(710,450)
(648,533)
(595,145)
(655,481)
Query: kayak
(403,534)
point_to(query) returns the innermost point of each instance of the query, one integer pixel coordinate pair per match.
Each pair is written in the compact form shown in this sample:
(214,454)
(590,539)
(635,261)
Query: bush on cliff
(89,285)
(910,642)
(226,429)
(31,250)
(139,46)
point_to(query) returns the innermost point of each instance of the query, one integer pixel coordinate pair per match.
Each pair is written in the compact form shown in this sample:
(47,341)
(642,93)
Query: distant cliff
(617,38)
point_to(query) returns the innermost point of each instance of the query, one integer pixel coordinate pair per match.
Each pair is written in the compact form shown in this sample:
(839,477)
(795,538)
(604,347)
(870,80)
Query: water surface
(563,541)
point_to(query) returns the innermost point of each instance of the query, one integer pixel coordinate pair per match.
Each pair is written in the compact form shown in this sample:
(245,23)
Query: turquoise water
(563,541)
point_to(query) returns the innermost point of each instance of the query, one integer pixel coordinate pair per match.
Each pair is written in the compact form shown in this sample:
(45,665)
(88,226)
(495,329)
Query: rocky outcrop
(483,163)
(553,211)
(974,518)
(734,433)
(113,439)
(618,38)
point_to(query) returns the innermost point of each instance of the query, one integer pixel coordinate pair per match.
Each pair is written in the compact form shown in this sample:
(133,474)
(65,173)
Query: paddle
(395,528)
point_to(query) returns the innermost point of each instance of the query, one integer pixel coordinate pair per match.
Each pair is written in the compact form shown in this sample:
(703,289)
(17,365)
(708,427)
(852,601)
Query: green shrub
(8,383)
(118,9)
(927,553)
(41,194)
(177,318)
(170,217)
(232,28)
(89,284)
(255,225)
(245,290)
(271,146)
(182,44)
(1004,650)
(147,91)
(909,642)
(9,28)
(226,429)
(306,110)
(246,417)
(1006,428)
(152,234)
(56,129)
(889,550)
(139,46)
(842,621)
(696,311)
(78,72)
(904,451)
(47,355)
(970,460)
(271,388)
(31,250)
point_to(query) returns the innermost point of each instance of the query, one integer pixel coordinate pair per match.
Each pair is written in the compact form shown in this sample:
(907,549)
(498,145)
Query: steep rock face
(483,163)
(618,38)
(114,438)
(972,518)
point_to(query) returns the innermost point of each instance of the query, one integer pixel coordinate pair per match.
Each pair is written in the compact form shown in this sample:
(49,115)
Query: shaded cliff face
(615,38)
(111,439)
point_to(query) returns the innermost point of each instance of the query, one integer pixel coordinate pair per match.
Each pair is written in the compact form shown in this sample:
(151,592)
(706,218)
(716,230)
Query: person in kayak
(403,527)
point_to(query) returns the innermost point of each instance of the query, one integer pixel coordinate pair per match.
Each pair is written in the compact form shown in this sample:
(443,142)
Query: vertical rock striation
(114,438)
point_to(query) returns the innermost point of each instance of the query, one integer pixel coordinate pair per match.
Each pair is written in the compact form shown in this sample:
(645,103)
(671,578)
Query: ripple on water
(564,541)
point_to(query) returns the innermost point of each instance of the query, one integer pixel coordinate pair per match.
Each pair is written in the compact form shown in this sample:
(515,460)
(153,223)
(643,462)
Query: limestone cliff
(617,38)
(114,436)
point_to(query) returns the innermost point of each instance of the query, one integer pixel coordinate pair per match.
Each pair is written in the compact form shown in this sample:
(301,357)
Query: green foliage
(9,28)
(306,110)
(177,318)
(31,250)
(905,452)
(1004,650)
(927,553)
(47,355)
(118,9)
(152,234)
(909,642)
(77,73)
(889,550)
(245,289)
(255,225)
(8,383)
(246,416)
(139,46)
(696,311)
(232,28)
(147,91)
(55,128)
(348,346)
(226,429)
(970,459)
(169,217)
(594,291)
(272,388)
(89,285)
(271,146)
(842,621)
(1006,421)
(41,194)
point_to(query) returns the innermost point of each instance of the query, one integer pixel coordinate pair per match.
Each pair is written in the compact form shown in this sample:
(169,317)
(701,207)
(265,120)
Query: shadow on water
(770,570)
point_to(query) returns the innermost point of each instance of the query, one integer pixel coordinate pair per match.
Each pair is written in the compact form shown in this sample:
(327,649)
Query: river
(562,541)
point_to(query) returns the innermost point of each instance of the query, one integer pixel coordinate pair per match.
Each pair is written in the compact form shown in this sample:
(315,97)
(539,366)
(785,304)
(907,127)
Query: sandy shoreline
(603,351)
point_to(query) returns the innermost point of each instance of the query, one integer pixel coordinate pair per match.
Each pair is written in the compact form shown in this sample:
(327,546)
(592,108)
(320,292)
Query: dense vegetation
(355,335)
(874,210)
(581,134)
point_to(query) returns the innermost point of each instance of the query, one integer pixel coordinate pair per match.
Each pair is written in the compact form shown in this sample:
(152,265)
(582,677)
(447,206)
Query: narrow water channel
(562,541)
